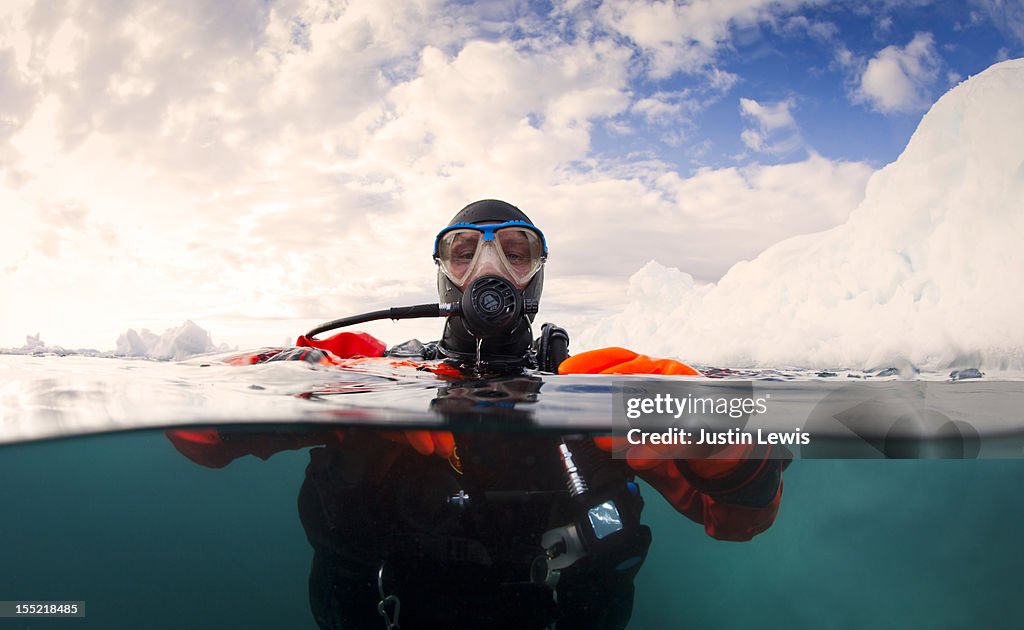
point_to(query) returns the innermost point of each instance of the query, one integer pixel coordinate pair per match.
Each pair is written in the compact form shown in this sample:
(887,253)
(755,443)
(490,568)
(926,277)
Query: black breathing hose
(396,312)
(491,306)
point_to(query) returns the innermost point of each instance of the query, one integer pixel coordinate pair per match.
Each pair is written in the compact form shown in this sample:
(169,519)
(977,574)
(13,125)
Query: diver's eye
(516,245)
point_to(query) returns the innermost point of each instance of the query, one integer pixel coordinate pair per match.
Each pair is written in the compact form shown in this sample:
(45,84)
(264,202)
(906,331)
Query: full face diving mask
(515,250)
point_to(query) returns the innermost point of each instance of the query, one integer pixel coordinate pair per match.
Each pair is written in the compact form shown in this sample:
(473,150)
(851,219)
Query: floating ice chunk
(958,375)
(175,344)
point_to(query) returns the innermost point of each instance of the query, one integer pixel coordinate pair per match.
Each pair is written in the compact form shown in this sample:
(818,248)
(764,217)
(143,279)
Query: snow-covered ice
(928,269)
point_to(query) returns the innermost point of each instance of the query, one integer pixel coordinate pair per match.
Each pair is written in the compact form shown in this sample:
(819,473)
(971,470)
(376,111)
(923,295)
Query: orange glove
(621,361)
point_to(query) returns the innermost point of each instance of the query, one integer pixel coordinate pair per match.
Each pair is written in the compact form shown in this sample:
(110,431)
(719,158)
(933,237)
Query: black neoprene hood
(489,211)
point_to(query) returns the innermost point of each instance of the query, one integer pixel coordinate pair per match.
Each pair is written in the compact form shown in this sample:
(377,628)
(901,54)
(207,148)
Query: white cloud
(673,112)
(684,37)
(695,222)
(899,80)
(845,58)
(819,30)
(665,108)
(657,109)
(1005,15)
(769,117)
(774,129)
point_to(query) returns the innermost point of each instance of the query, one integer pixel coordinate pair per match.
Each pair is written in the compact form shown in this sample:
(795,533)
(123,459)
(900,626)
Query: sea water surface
(110,514)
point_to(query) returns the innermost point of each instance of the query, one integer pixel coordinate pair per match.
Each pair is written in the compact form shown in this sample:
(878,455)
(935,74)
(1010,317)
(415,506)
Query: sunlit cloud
(772,126)
(900,79)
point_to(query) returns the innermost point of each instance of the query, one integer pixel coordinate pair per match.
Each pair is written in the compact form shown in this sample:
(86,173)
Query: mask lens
(456,252)
(521,251)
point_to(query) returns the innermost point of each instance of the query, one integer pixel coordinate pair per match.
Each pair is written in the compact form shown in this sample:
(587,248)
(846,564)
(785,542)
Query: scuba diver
(484,529)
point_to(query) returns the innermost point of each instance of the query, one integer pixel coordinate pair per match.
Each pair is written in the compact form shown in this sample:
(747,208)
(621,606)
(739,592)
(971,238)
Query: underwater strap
(389,605)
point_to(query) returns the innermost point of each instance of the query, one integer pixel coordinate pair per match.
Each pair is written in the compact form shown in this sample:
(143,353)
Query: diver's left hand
(616,360)
(440,443)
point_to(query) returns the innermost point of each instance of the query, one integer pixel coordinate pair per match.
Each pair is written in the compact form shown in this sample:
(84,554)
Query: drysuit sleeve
(735,496)
(346,345)
(216,448)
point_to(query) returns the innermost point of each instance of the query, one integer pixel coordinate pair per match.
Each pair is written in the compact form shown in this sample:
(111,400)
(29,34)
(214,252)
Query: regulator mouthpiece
(492,307)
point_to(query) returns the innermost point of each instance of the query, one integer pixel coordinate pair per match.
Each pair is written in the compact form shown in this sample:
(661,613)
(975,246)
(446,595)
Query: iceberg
(926,270)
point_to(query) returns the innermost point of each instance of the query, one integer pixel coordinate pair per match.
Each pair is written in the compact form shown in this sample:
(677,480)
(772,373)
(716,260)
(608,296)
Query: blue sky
(246,164)
(796,59)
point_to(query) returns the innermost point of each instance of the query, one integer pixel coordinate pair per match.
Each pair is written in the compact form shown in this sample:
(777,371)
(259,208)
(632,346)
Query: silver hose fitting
(574,481)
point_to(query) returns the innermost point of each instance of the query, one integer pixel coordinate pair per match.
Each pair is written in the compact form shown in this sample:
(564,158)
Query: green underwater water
(149,540)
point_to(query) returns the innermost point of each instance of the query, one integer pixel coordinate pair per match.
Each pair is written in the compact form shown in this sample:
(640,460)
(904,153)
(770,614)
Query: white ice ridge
(175,344)
(928,269)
